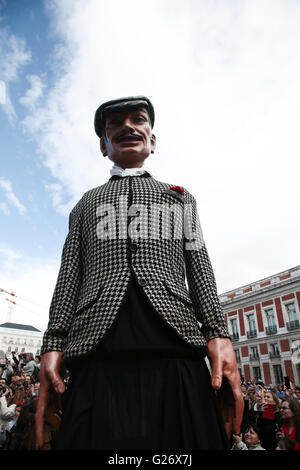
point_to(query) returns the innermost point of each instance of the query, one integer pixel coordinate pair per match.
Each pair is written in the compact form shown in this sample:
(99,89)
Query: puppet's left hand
(225,378)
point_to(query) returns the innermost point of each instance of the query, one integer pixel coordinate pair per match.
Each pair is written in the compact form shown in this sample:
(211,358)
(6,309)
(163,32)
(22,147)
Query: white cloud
(34,93)
(4,208)
(14,56)
(56,191)
(6,185)
(224,78)
(9,253)
(2,92)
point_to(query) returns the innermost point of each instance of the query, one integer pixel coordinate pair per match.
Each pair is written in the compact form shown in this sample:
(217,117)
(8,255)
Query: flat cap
(120,104)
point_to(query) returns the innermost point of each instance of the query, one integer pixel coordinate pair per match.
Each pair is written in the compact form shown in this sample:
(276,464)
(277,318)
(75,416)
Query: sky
(224,79)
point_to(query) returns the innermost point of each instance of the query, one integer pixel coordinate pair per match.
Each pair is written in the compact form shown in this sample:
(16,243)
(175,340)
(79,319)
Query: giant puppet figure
(135,310)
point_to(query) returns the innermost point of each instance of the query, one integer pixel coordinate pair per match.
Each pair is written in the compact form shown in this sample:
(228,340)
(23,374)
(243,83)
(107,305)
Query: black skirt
(143,388)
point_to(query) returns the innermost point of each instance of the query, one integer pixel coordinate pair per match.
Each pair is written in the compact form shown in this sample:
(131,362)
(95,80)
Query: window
(251,321)
(257,373)
(278,374)
(234,327)
(254,352)
(291,311)
(271,322)
(275,351)
(237,355)
(271,318)
(252,327)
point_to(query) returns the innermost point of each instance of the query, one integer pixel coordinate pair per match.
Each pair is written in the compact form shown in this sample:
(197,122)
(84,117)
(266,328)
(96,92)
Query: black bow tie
(143,175)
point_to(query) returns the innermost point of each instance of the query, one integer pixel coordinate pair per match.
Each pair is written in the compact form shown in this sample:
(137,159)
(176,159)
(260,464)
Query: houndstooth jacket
(116,231)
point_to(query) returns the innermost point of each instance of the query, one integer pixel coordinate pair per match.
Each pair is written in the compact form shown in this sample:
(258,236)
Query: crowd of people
(271,418)
(19,390)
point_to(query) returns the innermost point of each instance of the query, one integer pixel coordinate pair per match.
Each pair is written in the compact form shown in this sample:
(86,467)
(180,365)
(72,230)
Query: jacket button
(133,247)
(142,282)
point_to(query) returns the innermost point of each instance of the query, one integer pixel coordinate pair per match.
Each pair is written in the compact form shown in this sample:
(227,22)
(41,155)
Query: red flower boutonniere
(176,192)
(178,189)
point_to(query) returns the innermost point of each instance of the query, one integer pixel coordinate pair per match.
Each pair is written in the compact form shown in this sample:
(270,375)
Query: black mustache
(126,136)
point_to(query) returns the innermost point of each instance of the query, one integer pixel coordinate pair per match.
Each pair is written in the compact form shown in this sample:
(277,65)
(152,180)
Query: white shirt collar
(117,170)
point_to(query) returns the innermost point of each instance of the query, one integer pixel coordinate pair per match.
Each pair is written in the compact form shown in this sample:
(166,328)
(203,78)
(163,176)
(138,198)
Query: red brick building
(264,322)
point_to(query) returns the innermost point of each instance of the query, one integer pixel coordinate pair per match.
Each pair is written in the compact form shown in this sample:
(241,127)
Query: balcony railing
(292,325)
(254,357)
(274,354)
(251,334)
(271,330)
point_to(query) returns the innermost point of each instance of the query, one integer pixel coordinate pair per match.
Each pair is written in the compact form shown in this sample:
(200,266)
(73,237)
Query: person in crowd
(23,434)
(17,410)
(8,435)
(3,383)
(12,422)
(280,392)
(35,389)
(287,444)
(269,417)
(258,399)
(292,392)
(2,436)
(37,370)
(7,372)
(297,392)
(6,411)
(21,388)
(252,438)
(19,435)
(30,364)
(290,415)
(249,414)
(16,359)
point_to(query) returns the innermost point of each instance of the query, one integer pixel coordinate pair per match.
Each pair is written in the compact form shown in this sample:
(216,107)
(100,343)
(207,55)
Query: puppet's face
(128,139)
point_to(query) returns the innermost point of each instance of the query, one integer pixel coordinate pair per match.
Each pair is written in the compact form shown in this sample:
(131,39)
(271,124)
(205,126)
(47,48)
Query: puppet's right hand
(50,380)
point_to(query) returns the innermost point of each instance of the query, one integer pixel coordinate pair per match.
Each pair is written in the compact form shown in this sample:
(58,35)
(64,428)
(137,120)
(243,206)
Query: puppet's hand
(226,380)
(50,382)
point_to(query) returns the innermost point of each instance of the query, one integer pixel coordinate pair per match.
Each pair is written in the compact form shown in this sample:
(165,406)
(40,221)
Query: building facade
(20,338)
(264,323)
